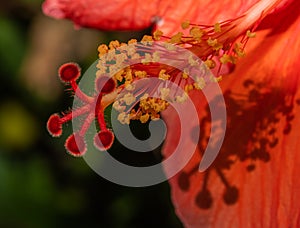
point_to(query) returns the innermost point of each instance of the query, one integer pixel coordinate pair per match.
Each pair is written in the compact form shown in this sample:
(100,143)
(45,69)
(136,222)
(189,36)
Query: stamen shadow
(252,131)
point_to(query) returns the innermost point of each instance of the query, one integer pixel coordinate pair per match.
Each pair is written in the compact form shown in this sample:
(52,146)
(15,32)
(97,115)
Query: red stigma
(105,85)
(75,145)
(104,140)
(91,108)
(69,72)
(54,125)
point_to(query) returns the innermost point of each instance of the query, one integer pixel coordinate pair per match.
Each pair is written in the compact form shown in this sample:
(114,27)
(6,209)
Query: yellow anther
(181,99)
(114,44)
(185,24)
(192,61)
(188,88)
(132,41)
(146,39)
(186,70)
(150,103)
(164,105)
(131,50)
(147,58)
(134,115)
(110,55)
(216,79)
(128,78)
(160,105)
(144,118)
(220,78)
(113,69)
(129,87)
(170,47)
(119,75)
(217,27)
(227,59)
(250,34)
(163,76)
(127,83)
(101,71)
(200,83)
(129,98)
(176,38)
(155,116)
(124,118)
(210,63)
(214,44)
(196,33)
(102,49)
(144,104)
(156,56)
(136,56)
(101,63)
(185,75)
(218,46)
(157,34)
(118,107)
(164,93)
(128,75)
(238,49)
(145,96)
(157,107)
(120,58)
(140,74)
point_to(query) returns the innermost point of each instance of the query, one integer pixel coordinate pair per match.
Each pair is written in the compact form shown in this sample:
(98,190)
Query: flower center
(218,45)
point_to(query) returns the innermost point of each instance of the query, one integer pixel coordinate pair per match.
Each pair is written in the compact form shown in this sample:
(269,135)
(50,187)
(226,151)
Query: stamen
(185,25)
(157,35)
(221,43)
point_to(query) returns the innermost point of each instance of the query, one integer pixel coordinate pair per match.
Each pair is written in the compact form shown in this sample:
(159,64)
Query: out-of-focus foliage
(41,185)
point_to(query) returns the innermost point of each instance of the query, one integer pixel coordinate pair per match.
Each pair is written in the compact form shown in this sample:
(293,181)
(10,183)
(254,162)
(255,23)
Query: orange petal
(130,15)
(107,15)
(254,180)
(200,12)
(167,15)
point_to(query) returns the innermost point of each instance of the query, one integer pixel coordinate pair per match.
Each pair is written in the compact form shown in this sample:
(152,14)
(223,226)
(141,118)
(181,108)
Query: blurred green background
(40,184)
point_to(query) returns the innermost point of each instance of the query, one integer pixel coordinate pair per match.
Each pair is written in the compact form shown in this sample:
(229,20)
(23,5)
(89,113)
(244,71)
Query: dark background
(40,184)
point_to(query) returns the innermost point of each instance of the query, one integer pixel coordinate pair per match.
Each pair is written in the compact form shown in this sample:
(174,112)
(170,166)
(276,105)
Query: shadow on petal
(259,120)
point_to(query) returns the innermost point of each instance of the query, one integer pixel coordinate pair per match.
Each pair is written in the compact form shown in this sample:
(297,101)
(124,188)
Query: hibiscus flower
(253,182)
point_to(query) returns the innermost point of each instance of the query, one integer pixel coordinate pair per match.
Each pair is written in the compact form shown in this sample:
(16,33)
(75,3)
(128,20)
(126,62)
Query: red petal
(140,14)
(107,15)
(129,15)
(201,12)
(254,181)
